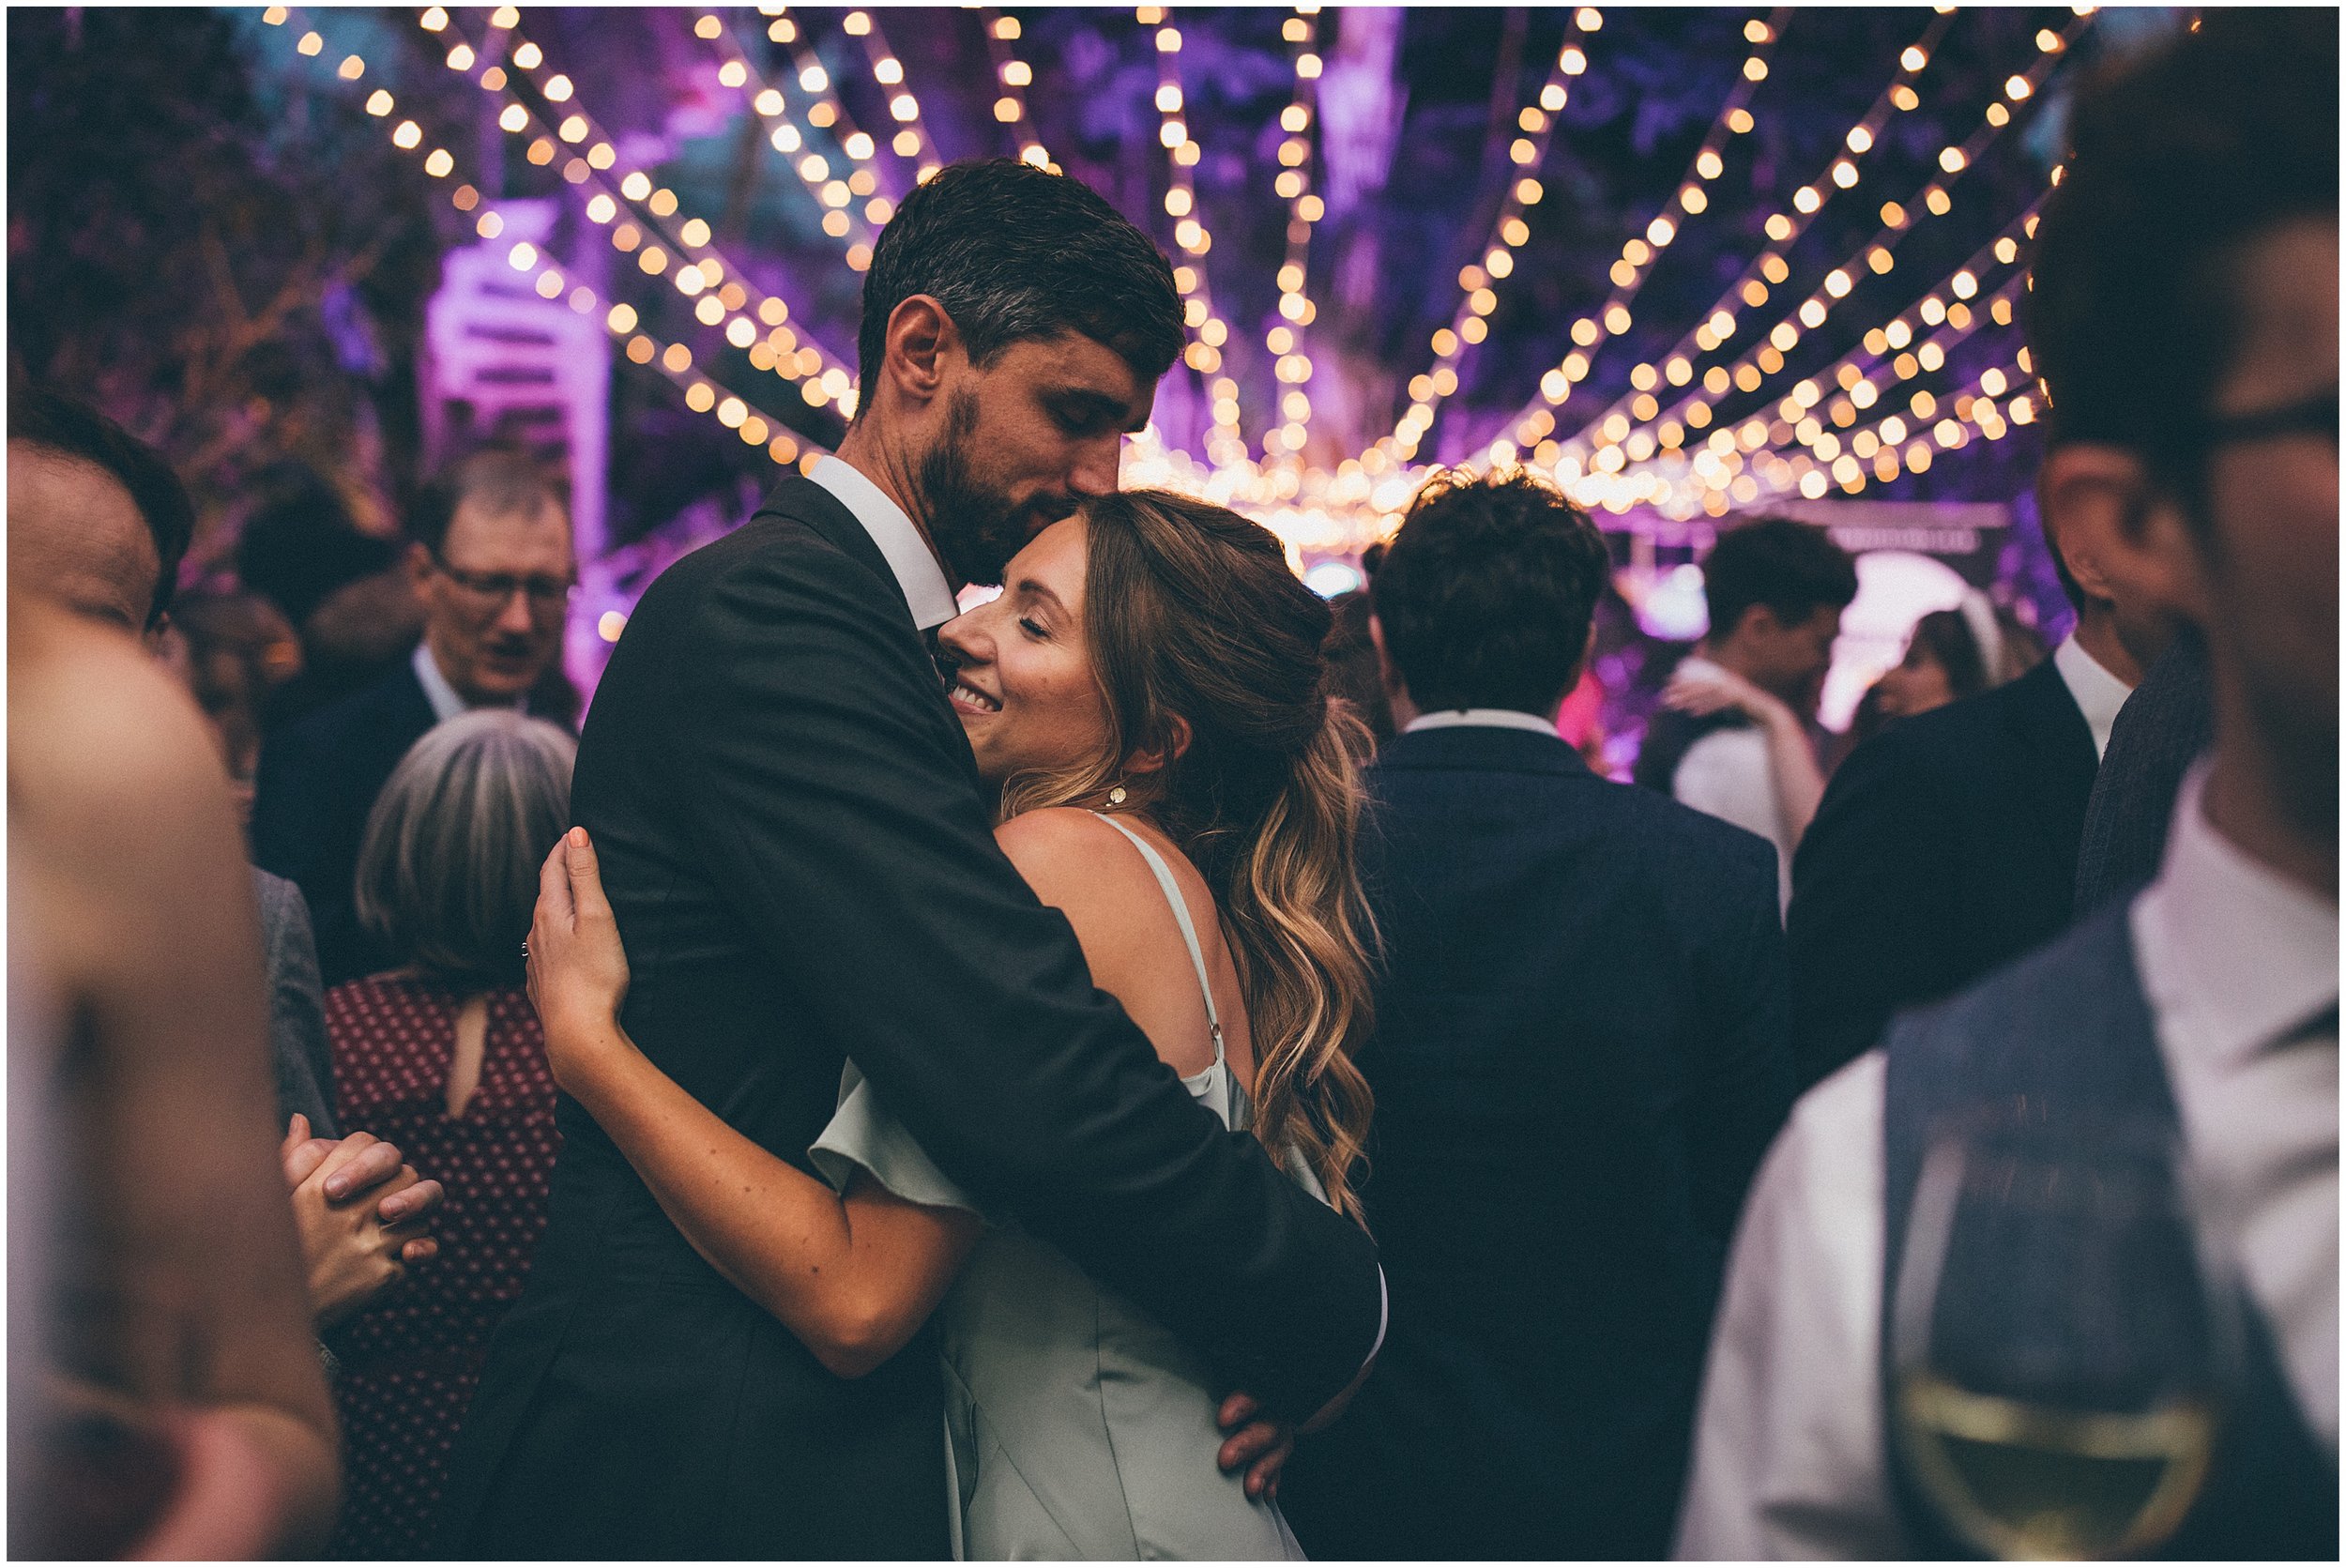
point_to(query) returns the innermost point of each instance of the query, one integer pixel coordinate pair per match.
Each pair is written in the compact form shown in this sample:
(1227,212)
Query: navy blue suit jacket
(1579,1059)
(1946,846)
(318,779)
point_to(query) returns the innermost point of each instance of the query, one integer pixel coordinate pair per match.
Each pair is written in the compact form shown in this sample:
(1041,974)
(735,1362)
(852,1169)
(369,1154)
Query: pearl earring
(1116,796)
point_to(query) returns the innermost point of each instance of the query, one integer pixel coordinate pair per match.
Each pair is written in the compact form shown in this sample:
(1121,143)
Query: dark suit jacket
(801,856)
(318,778)
(1580,1058)
(2165,723)
(297,1007)
(1944,845)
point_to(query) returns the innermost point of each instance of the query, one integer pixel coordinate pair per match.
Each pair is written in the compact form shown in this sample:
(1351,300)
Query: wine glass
(2062,1342)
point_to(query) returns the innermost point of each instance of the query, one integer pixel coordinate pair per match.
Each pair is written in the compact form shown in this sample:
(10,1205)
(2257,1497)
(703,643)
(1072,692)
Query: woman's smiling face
(1024,686)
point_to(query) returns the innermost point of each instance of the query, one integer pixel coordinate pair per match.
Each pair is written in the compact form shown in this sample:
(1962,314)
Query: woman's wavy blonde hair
(1191,612)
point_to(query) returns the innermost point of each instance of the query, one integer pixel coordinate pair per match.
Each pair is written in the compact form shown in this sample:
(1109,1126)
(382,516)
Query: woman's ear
(1153,759)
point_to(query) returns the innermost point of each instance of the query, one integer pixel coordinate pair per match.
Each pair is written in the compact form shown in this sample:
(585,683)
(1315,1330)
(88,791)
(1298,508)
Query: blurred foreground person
(443,1054)
(97,525)
(1578,1060)
(2162,729)
(178,1409)
(2185,320)
(489,556)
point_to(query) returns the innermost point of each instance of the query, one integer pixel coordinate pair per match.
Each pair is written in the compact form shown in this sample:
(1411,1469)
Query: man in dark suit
(488,556)
(1579,1056)
(1948,843)
(2183,315)
(801,856)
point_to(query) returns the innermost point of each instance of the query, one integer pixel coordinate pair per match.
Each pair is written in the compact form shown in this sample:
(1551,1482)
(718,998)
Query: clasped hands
(362,1215)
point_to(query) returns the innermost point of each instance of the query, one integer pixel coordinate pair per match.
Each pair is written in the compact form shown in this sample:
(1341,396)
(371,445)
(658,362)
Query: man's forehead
(1076,362)
(480,525)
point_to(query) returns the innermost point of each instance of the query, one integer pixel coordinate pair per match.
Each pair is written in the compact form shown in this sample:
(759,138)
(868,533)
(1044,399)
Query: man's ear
(419,563)
(1387,673)
(921,345)
(2119,535)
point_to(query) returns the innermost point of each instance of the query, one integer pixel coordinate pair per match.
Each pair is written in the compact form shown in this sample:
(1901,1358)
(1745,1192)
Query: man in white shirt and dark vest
(2185,320)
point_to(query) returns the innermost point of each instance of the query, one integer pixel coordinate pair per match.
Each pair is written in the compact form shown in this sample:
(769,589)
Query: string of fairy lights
(1770,268)
(1666,444)
(1642,252)
(1470,323)
(1291,362)
(1012,77)
(1210,333)
(1874,255)
(842,220)
(675,361)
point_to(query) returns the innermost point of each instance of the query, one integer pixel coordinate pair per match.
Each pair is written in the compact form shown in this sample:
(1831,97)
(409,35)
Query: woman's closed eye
(1034,629)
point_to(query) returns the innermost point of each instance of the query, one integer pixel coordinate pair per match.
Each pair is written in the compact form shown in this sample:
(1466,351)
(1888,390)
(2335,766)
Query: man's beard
(976,529)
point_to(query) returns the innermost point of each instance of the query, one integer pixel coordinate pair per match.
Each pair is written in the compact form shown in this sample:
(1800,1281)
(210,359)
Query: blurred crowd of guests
(1635,1294)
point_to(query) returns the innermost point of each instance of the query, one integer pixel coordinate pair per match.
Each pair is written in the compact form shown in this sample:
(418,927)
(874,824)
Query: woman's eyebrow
(1028,585)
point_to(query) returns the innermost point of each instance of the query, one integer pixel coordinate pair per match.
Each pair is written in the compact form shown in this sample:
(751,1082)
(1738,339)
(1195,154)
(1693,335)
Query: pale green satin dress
(1075,1428)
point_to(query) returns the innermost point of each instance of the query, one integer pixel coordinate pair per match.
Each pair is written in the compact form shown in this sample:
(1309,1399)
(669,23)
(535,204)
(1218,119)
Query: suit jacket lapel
(2050,724)
(802,499)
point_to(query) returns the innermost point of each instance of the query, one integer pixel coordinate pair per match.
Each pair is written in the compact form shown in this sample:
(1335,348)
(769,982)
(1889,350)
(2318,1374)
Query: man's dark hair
(1790,567)
(499,479)
(1014,252)
(1487,593)
(299,544)
(2180,157)
(58,424)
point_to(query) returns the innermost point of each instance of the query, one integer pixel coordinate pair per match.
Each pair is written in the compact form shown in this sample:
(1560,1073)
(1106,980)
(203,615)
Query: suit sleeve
(1864,933)
(830,797)
(1745,1081)
(296,1009)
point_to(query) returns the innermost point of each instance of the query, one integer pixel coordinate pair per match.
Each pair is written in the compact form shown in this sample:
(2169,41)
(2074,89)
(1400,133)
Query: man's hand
(1259,1444)
(360,1213)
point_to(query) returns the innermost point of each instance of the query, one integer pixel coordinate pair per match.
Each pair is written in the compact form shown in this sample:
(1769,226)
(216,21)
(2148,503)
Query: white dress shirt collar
(918,575)
(2233,951)
(446,701)
(2098,694)
(1486,718)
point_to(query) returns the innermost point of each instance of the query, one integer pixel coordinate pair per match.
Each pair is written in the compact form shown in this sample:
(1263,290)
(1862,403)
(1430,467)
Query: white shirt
(446,701)
(1483,717)
(931,601)
(2098,694)
(1787,1458)
(1727,774)
(909,558)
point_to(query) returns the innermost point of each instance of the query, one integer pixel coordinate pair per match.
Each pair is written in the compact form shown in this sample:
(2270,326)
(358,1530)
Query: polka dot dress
(410,1362)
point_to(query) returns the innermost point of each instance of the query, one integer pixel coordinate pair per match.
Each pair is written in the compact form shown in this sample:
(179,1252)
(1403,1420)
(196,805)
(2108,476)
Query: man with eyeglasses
(2183,317)
(489,555)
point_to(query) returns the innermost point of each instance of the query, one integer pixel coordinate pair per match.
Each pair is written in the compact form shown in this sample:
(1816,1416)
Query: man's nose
(514,616)
(1098,466)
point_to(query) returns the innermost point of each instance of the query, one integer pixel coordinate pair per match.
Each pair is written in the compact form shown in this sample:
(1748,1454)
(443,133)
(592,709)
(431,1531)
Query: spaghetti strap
(1180,915)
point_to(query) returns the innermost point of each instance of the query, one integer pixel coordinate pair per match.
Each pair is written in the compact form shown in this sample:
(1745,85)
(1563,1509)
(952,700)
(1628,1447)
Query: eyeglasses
(2313,416)
(496,590)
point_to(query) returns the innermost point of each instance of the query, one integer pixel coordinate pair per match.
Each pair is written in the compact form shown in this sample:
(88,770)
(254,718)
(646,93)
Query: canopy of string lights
(1688,263)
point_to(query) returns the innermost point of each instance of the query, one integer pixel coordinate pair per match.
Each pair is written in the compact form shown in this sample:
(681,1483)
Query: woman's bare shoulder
(1074,860)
